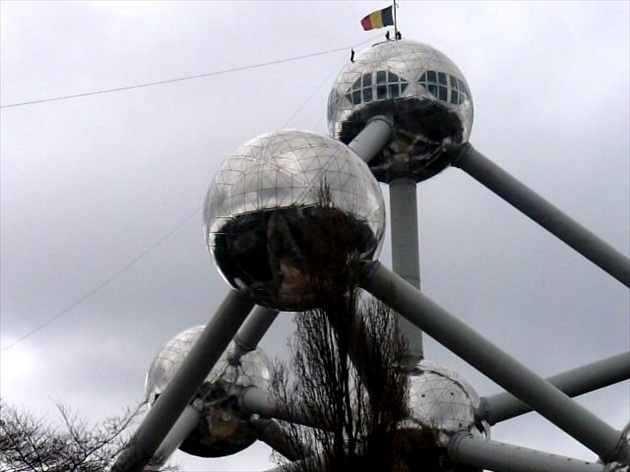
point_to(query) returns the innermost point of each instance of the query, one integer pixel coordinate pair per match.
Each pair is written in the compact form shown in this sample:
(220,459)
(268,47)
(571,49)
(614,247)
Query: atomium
(420,89)
(288,206)
(223,429)
(292,206)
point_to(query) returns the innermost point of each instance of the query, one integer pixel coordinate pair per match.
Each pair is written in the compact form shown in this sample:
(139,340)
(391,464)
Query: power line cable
(182,79)
(104,284)
(159,242)
(308,99)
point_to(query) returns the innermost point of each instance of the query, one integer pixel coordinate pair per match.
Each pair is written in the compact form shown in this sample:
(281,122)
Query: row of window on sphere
(387,85)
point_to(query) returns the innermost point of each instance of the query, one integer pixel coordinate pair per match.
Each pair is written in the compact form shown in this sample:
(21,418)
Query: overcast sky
(89,185)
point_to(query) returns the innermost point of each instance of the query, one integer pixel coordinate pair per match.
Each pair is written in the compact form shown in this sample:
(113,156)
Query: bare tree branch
(343,370)
(29,444)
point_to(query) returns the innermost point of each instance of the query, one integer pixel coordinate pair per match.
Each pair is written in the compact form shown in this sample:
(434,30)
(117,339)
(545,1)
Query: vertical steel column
(404,222)
(181,389)
(403,210)
(503,406)
(453,334)
(501,457)
(378,131)
(542,212)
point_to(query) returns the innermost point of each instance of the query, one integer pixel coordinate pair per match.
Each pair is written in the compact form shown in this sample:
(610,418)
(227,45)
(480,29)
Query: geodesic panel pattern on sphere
(420,89)
(223,429)
(254,368)
(280,207)
(287,168)
(443,402)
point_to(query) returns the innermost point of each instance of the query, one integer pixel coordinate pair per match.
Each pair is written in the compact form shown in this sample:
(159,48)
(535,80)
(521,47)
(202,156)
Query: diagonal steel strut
(542,212)
(504,406)
(502,457)
(517,379)
(180,390)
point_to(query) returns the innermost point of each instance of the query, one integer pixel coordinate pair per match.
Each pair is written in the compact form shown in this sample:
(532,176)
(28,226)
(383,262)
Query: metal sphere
(624,450)
(289,205)
(441,402)
(223,430)
(420,89)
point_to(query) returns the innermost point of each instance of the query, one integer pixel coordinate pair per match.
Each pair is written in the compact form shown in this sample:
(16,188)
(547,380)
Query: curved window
(445,87)
(378,85)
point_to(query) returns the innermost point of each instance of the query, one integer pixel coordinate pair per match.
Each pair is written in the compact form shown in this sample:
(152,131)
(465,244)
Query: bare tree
(348,382)
(32,444)
(346,368)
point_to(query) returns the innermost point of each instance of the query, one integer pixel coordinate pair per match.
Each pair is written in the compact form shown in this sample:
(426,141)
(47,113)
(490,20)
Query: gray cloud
(87,185)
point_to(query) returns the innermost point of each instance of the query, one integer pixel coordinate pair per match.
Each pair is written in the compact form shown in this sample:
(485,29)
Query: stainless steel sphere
(442,403)
(288,206)
(621,465)
(223,430)
(420,89)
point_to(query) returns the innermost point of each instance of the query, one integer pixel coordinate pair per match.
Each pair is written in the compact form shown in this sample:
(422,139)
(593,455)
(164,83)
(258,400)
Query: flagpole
(395,23)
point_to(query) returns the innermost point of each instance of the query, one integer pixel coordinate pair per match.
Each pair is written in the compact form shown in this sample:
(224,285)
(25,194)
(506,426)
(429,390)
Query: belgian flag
(378,19)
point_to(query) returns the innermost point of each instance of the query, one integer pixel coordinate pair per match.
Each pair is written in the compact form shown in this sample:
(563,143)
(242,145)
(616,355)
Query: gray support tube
(254,328)
(501,457)
(403,208)
(504,406)
(180,390)
(378,131)
(453,334)
(542,212)
(255,401)
(185,424)
(275,437)
(404,226)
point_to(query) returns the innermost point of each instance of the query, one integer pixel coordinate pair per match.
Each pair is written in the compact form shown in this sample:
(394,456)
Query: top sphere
(420,89)
(269,230)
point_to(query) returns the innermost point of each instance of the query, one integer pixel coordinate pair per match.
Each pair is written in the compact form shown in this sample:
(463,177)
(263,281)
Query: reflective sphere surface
(420,89)
(444,403)
(621,465)
(223,429)
(267,224)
